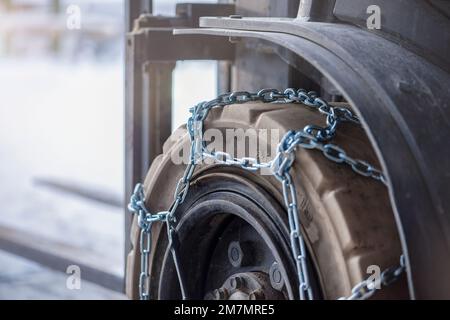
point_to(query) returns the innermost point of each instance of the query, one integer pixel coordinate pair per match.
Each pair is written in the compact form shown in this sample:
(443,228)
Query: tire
(347,219)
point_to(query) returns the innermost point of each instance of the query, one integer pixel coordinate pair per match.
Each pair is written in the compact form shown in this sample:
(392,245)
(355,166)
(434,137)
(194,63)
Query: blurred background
(62,143)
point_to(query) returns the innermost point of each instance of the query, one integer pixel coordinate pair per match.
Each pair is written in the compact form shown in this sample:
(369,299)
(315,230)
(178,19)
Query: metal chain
(367,288)
(145,220)
(311,137)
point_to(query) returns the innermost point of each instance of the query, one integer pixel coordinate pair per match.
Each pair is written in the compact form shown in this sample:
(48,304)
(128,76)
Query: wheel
(233,229)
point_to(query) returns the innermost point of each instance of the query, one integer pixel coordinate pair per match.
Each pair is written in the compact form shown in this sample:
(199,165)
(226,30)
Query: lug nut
(236,283)
(240,253)
(256,295)
(275,276)
(235,254)
(220,294)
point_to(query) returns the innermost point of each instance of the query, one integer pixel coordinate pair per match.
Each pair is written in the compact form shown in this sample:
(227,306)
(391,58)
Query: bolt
(235,254)
(220,294)
(257,294)
(275,276)
(236,282)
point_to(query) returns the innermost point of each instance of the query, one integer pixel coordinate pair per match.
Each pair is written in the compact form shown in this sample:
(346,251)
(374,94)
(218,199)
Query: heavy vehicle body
(396,79)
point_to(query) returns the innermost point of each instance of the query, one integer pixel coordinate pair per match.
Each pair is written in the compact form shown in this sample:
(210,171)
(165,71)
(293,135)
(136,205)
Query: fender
(403,101)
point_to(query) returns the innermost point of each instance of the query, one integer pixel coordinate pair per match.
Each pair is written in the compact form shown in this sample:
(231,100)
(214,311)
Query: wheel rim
(228,237)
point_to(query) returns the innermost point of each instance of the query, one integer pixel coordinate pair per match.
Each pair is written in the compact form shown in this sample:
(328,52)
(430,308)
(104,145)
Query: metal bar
(133,102)
(148,117)
(194,47)
(132,136)
(224,76)
(59,256)
(311,10)
(156,109)
(133,9)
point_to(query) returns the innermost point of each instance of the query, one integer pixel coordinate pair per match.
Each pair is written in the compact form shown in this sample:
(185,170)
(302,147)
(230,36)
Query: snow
(63,121)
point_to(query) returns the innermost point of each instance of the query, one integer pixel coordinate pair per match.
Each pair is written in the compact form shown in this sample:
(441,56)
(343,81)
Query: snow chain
(311,137)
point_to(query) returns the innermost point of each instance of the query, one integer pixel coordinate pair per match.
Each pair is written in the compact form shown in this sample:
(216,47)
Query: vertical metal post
(134,8)
(156,109)
(133,108)
(224,76)
(148,107)
(313,10)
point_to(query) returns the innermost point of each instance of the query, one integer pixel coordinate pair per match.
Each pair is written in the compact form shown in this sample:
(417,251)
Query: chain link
(311,137)
(367,288)
(145,221)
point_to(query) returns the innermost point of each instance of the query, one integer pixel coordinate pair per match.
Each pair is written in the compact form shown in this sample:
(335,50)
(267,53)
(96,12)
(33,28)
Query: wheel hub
(246,286)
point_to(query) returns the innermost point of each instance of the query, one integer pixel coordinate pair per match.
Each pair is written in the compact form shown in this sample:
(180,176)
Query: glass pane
(194,81)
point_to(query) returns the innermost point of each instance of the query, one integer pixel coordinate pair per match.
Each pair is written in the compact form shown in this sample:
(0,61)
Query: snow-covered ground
(66,122)
(24,279)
